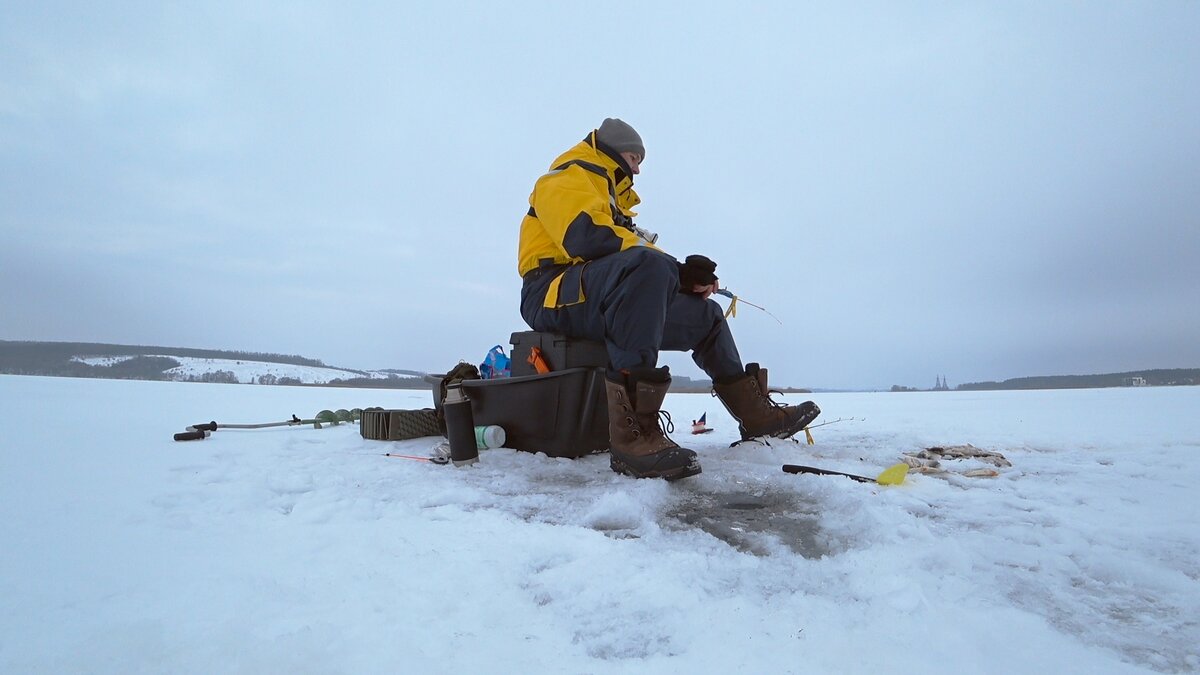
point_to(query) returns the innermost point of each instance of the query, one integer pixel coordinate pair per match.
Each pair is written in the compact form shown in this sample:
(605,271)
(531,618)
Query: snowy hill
(244,372)
(308,550)
(115,361)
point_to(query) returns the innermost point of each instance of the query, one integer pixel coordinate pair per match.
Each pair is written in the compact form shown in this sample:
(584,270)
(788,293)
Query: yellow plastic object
(893,475)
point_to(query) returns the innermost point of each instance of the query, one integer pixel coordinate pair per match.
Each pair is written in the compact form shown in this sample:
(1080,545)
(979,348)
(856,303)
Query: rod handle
(191,435)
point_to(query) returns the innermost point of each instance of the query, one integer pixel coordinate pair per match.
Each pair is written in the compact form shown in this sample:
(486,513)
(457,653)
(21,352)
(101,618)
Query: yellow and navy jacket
(579,211)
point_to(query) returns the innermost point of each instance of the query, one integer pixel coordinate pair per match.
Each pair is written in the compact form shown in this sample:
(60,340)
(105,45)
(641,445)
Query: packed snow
(246,372)
(302,550)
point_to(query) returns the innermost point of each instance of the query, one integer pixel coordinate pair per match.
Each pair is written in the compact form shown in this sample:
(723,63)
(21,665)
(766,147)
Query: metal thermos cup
(460,426)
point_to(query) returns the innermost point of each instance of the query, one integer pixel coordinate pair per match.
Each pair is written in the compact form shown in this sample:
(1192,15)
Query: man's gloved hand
(697,271)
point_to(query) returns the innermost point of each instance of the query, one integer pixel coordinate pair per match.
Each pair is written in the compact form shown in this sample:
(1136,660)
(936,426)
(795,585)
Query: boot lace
(765,397)
(665,423)
(662,419)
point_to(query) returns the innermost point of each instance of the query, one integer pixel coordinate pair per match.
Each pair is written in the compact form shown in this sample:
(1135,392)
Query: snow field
(304,550)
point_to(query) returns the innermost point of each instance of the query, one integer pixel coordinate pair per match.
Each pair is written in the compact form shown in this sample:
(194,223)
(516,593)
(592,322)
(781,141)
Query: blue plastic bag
(495,364)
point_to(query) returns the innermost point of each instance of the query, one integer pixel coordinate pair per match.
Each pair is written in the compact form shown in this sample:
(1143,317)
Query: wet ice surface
(301,550)
(757,522)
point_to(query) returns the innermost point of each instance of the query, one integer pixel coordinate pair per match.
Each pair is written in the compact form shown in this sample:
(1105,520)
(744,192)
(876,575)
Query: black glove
(696,270)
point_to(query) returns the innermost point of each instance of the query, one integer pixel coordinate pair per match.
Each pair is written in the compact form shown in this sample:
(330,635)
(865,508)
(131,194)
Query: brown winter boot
(747,399)
(638,444)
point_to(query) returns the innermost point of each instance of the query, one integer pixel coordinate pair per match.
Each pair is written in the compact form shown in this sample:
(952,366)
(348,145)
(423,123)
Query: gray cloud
(980,192)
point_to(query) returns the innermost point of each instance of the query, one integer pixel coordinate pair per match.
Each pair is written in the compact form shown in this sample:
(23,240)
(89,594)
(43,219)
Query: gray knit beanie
(620,137)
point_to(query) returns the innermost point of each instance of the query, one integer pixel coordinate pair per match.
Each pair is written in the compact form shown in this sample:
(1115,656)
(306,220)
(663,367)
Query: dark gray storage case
(563,413)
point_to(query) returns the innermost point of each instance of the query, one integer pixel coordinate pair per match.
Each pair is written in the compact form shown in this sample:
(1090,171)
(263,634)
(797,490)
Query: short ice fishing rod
(733,302)
(893,475)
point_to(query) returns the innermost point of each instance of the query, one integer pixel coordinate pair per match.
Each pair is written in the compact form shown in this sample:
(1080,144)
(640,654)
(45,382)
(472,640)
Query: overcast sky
(974,190)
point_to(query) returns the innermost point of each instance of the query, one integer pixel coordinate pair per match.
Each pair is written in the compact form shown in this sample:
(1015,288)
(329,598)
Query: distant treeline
(55,358)
(392,382)
(399,372)
(1149,378)
(682,384)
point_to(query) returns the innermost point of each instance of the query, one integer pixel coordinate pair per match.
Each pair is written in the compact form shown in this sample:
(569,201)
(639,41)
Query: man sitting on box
(590,272)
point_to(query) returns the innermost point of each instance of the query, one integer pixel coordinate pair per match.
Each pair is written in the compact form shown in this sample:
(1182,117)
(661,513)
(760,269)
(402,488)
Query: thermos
(460,426)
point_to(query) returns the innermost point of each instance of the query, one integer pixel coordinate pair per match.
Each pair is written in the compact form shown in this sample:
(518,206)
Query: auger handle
(204,426)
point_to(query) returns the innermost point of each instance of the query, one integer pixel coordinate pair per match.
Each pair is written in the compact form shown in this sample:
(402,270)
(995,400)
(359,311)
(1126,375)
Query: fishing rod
(840,419)
(734,299)
(893,475)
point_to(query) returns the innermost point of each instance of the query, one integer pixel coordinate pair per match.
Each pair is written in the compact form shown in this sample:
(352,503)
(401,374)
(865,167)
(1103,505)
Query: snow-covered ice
(297,550)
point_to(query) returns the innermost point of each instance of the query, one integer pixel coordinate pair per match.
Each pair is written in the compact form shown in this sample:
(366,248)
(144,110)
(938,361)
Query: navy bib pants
(633,305)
